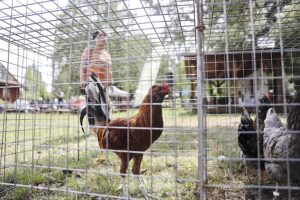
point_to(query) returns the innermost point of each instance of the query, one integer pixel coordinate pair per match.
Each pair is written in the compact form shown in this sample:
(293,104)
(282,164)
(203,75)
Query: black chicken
(293,119)
(250,138)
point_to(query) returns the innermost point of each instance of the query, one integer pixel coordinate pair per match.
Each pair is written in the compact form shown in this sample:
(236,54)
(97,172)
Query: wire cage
(218,59)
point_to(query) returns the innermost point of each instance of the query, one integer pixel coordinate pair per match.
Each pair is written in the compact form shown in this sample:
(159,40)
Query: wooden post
(235,81)
(278,89)
(193,94)
(191,74)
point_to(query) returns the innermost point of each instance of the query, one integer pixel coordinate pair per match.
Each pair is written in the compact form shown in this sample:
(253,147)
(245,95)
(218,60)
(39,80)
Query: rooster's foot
(100,161)
(276,193)
(148,197)
(125,189)
(143,190)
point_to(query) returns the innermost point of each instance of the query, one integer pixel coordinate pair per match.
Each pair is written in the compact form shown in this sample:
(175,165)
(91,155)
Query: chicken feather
(250,139)
(130,137)
(282,145)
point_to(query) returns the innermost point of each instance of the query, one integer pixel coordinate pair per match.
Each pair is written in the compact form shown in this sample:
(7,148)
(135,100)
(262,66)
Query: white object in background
(113,91)
(147,79)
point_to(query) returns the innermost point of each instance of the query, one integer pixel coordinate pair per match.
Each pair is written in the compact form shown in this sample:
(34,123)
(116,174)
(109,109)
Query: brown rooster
(130,137)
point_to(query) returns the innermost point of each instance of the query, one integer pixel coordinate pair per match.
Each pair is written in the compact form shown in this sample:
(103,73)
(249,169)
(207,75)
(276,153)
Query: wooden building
(9,85)
(238,70)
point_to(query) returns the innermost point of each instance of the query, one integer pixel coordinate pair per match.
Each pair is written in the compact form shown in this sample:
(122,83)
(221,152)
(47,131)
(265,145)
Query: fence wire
(218,58)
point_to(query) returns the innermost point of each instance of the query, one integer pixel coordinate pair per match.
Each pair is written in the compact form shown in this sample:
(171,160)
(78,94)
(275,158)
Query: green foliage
(130,52)
(133,53)
(24,176)
(73,183)
(172,173)
(35,87)
(180,80)
(215,23)
(163,69)
(73,38)
(22,194)
(90,176)
(108,184)
(177,19)
(239,27)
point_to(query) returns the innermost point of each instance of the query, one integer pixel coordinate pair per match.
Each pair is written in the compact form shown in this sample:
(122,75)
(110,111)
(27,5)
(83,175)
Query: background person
(60,97)
(95,58)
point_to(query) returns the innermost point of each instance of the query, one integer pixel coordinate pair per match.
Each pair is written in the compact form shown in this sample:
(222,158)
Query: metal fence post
(202,173)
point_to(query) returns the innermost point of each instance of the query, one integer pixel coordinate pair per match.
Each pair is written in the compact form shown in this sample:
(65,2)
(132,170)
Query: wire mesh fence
(218,68)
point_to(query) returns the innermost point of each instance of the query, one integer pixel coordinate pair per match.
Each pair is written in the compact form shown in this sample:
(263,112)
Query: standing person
(95,58)
(60,97)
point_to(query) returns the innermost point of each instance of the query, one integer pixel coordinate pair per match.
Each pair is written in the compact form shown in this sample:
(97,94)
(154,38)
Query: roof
(168,26)
(7,77)
(239,61)
(161,25)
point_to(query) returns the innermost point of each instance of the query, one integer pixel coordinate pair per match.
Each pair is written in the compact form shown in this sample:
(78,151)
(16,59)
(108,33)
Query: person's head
(99,36)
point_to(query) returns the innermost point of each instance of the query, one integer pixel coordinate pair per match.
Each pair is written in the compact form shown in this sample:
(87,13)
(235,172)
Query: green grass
(43,146)
(27,139)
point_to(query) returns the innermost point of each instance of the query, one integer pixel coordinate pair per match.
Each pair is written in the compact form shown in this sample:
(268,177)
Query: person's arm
(85,57)
(85,62)
(57,94)
(109,67)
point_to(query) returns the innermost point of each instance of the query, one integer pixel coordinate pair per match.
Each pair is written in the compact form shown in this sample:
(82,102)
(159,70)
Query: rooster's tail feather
(82,114)
(97,107)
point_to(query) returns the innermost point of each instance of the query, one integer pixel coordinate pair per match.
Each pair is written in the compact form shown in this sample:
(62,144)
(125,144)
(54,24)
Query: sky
(15,59)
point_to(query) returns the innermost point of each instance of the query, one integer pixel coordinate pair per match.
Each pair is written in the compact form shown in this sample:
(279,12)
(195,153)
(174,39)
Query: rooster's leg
(125,188)
(136,171)
(142,188)
(276,193)
(263,176)
(101,158)
(100,134)
(123,169)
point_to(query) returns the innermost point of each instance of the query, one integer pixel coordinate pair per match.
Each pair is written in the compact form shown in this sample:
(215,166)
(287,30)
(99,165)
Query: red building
(9,85)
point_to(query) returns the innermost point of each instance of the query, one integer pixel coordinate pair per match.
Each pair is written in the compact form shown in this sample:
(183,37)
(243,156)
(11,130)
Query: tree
(287,32)
(35,87)
(74,32)
(274,21)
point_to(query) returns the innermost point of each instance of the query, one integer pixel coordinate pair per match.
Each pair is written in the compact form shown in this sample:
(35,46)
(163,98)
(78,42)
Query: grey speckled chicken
(282,145)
